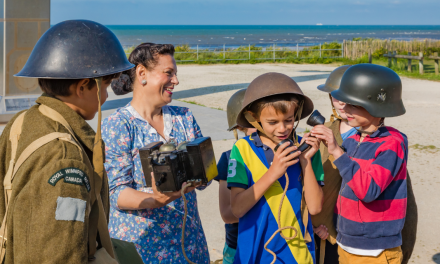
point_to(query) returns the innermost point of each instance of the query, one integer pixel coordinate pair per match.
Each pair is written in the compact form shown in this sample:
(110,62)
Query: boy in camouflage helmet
(56,192)
(372,201)
(231,221)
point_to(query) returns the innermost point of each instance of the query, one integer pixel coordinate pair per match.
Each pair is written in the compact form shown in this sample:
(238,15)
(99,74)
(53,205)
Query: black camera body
(173,165)
(315,119)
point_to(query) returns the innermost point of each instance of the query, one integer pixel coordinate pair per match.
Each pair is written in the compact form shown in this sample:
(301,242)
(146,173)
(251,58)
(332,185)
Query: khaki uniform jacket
(333,181)
(47,221)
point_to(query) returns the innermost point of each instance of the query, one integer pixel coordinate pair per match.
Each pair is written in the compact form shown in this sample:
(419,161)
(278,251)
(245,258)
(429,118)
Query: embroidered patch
(71,175)
(70,209)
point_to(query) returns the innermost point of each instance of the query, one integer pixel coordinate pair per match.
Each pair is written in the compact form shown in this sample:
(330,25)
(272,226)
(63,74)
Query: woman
(144,216)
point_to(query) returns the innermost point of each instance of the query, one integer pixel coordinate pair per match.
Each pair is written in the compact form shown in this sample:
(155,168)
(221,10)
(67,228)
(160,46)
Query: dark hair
(61,87)
(147,55)
(280,102)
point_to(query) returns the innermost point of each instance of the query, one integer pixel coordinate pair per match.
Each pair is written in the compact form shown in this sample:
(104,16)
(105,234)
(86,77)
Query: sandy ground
(213,85)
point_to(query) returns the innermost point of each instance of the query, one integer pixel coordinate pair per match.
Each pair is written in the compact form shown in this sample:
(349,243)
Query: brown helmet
(234,106)
(334,80)
(268,84)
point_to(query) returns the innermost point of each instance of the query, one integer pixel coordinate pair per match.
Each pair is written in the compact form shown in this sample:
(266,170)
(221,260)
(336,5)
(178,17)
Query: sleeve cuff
(236,184)
(114,195)
(342,161)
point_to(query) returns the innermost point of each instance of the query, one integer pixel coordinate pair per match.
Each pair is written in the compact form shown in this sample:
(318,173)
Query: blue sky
(249,12)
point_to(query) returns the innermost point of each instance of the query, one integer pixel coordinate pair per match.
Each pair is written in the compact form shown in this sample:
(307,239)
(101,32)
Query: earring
(144,82)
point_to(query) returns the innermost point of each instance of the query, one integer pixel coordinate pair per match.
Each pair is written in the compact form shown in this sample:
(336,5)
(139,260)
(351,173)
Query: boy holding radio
(272,104)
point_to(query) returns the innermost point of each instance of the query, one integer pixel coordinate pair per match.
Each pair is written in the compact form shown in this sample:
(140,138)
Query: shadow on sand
(113,104)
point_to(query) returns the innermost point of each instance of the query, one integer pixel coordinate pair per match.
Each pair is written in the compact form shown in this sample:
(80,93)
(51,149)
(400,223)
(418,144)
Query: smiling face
(357,116)
(277,125)
(339,107)
(161,80)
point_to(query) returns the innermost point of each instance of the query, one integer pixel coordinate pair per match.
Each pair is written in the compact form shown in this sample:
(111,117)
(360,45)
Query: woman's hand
(313,143)
(283,159)
(326,135)
(163,199)
(321,231)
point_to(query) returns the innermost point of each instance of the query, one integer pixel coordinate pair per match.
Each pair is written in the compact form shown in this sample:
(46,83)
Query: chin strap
(381,124)
(256,124)
(335,114)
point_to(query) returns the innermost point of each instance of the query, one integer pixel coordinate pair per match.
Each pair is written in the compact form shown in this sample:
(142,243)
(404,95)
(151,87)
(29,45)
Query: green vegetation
(195,103)
(330,54)
(430,148)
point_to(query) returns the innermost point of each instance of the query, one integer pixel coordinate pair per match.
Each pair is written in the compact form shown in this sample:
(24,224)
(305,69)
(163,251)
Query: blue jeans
(228,254)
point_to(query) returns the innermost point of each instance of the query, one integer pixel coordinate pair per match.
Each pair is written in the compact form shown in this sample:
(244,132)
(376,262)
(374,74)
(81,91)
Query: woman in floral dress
(138,214)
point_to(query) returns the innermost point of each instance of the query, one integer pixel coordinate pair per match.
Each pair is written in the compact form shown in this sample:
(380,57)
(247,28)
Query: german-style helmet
(376,88)
(234,106)
(269,84)
(76,49)
(334,80)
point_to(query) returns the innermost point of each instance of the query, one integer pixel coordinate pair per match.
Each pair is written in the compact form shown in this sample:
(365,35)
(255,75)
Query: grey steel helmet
(376,88)
(234,107)
(334,80)
(76,49)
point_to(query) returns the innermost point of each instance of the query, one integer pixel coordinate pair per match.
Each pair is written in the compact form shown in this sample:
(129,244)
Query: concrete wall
(22,24)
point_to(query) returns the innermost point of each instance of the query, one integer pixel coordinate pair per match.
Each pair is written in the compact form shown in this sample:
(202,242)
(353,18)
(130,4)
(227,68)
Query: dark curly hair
(147,55)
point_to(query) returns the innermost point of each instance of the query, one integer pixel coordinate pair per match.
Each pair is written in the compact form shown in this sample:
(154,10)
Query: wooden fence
(377,47)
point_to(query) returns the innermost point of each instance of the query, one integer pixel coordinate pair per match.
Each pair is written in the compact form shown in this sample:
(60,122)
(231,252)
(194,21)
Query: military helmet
(376,88)
(334,80)
(269,84)
(234,106)
(76,49)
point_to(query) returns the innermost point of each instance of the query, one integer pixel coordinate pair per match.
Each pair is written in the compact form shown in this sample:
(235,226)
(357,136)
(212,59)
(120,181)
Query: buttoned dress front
(155,232)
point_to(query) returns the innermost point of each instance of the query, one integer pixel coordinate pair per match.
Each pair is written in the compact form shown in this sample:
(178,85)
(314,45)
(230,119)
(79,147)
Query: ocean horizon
(230,35)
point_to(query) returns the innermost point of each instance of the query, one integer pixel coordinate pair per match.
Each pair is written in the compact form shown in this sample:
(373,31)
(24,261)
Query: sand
(213,85)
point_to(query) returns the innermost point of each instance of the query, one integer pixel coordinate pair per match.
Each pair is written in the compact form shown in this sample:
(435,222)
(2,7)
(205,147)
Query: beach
(206,90)
(213,85)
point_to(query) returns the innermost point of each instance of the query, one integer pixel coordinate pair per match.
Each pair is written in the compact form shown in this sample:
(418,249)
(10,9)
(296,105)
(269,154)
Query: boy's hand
(313,142)
(283,159)
(326,135)
(321,231)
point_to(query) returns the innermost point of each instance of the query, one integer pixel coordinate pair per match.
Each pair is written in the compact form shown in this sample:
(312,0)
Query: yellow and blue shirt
(249,161)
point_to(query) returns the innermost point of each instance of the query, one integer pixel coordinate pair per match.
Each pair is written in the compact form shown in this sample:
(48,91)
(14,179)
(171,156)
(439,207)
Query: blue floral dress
(155,232)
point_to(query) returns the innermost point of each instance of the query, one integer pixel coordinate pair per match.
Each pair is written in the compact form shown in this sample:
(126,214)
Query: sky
(249,12)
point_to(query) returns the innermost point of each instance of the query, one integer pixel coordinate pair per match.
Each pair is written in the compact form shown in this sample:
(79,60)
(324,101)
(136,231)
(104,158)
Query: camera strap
(185,203)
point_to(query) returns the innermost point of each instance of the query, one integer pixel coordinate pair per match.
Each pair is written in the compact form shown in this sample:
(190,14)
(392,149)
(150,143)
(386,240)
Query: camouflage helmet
(269,84)
(234,106)
(376,88)
(334,80)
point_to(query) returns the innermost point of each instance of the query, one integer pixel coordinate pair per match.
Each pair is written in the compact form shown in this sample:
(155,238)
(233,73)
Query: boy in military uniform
(56,194)
(371,205)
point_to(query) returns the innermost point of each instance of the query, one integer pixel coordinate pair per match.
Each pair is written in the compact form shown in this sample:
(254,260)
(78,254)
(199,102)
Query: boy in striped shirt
(371,206)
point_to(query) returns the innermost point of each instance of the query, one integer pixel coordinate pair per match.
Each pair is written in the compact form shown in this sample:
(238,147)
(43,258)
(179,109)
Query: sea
(211,36)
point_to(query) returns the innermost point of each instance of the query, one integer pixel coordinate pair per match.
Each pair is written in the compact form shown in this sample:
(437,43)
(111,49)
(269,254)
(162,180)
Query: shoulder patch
(70,175)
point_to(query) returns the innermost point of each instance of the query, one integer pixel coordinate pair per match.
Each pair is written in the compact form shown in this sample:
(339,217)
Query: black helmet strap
(381,124)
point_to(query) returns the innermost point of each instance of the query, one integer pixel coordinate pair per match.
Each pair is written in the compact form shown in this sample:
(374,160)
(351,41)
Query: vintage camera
(315,119)
(173,165)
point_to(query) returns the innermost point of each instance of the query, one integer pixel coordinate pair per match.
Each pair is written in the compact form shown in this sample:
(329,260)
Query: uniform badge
(381,97)
(71,175)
